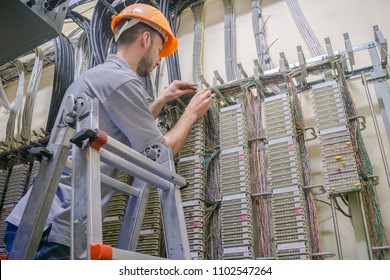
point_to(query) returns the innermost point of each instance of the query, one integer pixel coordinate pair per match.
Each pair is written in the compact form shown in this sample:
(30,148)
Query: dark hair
(131,34)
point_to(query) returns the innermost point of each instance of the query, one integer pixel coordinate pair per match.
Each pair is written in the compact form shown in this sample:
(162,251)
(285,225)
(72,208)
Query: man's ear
(147,38)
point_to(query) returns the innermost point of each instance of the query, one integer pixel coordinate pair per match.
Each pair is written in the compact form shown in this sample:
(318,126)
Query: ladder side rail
(174,226)
(86,214)
(41,197)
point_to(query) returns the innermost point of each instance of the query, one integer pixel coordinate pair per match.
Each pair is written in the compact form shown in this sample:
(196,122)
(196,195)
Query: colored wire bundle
(306,170)
(261,204)
(212,188)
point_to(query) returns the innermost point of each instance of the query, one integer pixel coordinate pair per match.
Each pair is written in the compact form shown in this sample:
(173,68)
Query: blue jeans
(46,250)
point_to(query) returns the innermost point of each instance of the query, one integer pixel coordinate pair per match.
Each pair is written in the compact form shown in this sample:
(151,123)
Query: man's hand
(199,104)
(173,91)
(177,89)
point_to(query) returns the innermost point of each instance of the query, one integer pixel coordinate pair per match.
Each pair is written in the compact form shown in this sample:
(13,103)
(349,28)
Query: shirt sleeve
(128,110)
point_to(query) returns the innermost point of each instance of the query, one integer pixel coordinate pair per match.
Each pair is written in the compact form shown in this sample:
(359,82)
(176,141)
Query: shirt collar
(118,60)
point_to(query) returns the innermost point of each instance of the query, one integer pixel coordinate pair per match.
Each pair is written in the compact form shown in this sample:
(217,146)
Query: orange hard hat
(152,17)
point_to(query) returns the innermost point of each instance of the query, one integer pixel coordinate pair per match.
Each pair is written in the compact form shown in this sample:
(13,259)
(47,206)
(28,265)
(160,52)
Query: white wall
(329,18)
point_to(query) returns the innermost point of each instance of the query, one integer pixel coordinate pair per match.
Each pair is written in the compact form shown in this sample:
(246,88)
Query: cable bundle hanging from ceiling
(230,42)
(32,90)
(81,55)
(3,98)
(173,64)
(81,46)
(9,71)
(14,113)
(305,28)
(172,11)
(258,30)
(100,35)
(198,11)
(63,76)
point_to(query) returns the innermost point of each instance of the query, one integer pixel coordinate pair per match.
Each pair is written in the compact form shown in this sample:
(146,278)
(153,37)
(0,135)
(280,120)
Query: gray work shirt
(123,114)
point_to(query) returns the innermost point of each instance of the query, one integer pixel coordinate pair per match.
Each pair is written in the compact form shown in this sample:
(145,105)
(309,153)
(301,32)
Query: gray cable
(198,29)
(258,30)
(15,109)
(81,55)
(32,90)
(230,42)
(305,28)
(3,98)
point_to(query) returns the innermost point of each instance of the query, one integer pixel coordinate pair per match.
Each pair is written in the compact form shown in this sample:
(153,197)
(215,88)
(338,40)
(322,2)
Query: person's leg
(46,250)
(50,250)
(9,236)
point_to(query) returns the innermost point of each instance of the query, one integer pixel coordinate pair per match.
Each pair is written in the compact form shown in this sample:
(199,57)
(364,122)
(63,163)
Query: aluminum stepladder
(78,124)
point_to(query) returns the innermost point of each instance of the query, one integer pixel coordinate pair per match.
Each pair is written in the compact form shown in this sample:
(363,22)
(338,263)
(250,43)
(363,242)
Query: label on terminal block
(333,130)
(275,97)
(195,157)
(233,196)
(229,108)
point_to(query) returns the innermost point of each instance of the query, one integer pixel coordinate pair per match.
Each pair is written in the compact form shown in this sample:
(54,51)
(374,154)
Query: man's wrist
(189,117)
(161,99)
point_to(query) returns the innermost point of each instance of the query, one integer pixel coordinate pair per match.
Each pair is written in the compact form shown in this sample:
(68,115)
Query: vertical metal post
(368,239)
(336,228)
(175,232)
(381,88)
(359,225)
(86,214)
(377,131)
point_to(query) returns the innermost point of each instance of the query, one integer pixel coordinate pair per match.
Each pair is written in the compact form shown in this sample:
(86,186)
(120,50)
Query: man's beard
(145,64)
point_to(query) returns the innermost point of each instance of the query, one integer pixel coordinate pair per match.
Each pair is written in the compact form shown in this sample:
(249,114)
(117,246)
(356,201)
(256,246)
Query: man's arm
(198,106)
(173,91)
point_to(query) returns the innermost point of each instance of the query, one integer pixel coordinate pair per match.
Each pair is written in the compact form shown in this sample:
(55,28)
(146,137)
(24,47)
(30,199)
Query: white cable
(15,108)
(81,55)
(305,28)
(230,49)
(261,44)
(32,90)
(197,51)
(3,98)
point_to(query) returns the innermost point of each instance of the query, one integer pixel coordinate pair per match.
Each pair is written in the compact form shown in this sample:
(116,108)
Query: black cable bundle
(100,34)
(173,63)
(63,76)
